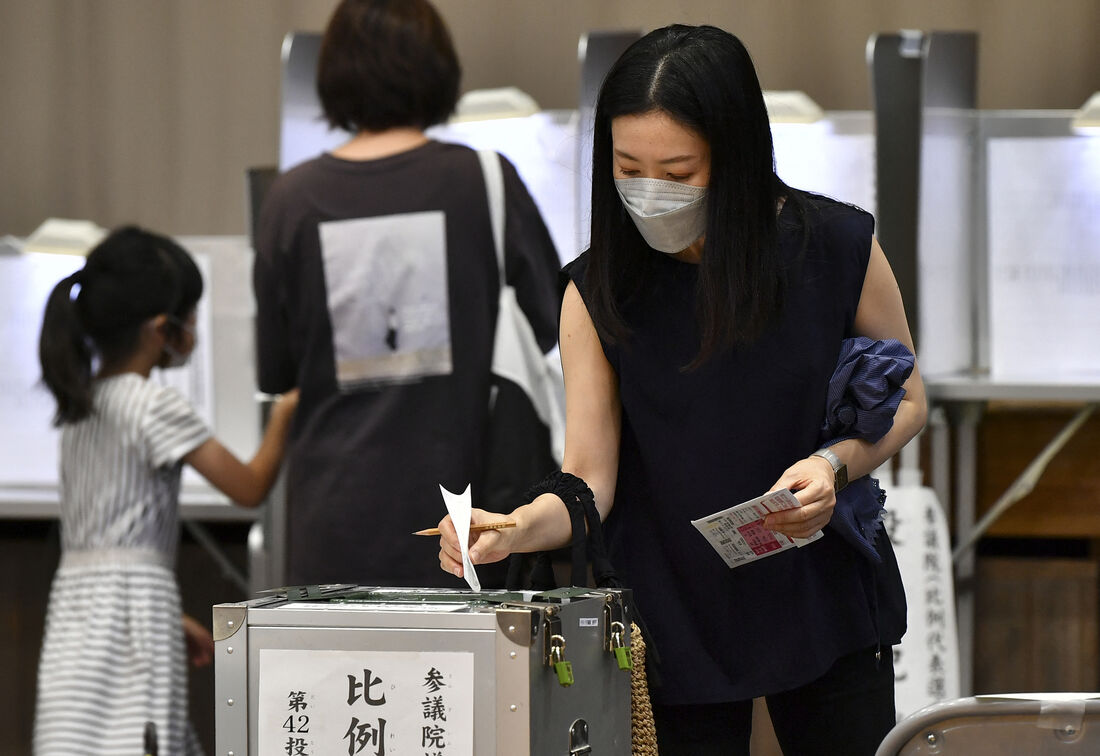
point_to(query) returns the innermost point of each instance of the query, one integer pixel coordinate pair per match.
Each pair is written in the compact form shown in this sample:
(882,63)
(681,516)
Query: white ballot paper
(459,506)
(738,533)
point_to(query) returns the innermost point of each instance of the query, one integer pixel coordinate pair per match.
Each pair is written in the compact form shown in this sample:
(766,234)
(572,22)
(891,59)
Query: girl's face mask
(176,358)
(669,215)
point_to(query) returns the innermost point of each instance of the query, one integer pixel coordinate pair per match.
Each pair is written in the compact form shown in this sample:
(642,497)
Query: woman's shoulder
(459,156)
(832,238)
(449,149)
(303,173)
(288,187)
(320,170)
(832,217)
(578,265)
(575,270)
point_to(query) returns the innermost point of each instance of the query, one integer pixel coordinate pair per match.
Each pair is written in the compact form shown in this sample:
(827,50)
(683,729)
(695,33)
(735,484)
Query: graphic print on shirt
(386,282)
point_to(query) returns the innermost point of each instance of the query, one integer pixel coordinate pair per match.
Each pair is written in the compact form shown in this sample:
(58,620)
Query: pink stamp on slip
(758,538)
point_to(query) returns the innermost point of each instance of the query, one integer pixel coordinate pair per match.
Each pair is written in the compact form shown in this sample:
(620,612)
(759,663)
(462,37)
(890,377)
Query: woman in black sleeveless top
(698,336)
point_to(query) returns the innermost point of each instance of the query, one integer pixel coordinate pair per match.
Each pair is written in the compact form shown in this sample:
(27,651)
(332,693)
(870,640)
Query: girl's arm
(880,315)
(592,427)
(248,483)
(199,641)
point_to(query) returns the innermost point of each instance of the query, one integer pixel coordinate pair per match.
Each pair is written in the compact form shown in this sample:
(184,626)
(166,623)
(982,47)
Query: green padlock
(622,653)
(562,668)
(622,656)
(565,672)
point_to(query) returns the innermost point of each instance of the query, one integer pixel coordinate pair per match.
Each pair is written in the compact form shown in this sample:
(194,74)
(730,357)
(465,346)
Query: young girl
(113,655)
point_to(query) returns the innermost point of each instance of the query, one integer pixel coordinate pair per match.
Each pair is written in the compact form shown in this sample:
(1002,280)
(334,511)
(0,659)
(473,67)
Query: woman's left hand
(811,480)
(200,643)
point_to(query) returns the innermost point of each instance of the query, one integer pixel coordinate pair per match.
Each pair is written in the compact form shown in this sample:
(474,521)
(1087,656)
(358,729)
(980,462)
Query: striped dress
(113,657)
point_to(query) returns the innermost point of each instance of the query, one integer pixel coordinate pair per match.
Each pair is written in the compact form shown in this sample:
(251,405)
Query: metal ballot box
(329,670)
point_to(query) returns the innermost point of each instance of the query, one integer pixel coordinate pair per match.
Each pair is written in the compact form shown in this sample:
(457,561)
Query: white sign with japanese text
(926,663)
(392,703)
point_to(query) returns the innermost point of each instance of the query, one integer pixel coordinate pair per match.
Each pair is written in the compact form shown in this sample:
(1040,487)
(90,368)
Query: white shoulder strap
(494,188)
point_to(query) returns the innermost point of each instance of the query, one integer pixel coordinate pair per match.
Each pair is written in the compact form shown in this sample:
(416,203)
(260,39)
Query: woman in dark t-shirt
(376,286)
(698,336)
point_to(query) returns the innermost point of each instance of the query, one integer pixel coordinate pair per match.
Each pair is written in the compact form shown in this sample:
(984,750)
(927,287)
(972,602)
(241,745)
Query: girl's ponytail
(65,354)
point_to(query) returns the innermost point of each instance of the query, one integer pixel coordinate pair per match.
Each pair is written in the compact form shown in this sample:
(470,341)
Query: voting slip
(738,533)
(459,508)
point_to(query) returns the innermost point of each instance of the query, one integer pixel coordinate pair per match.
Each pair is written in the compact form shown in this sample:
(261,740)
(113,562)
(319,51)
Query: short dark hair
(387,64)
(703,77)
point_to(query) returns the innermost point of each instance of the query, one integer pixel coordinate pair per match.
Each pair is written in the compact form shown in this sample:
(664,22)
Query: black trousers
(848,711)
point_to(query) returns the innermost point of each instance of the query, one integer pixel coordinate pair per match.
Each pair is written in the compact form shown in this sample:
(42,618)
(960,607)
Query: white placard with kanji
(393,703)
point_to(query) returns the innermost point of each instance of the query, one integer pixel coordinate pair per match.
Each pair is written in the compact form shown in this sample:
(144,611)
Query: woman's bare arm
(879,315)
(592,430)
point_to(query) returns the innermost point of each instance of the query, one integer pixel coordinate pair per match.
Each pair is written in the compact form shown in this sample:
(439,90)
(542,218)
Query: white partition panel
(542,147)
(834,156)
(946,254)
(1044,257)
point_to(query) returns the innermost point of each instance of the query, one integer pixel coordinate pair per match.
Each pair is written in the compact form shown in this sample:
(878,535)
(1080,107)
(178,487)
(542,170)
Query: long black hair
(704,79)
(129,277)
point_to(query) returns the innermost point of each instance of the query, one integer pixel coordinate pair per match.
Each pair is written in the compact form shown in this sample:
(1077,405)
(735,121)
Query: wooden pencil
(475,528)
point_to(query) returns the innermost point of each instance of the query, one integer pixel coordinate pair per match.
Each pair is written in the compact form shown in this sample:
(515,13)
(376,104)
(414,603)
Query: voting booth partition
(989,221)
(1035,310)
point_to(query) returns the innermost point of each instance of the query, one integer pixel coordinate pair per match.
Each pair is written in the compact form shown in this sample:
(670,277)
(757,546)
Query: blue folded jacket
(864,394)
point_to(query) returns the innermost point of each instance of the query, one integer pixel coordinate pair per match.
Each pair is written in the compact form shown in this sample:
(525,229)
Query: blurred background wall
(120,110)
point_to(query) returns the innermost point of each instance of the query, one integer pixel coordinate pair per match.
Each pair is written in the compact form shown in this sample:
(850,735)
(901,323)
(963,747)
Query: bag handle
(587,541)
(494,190)
(585,548)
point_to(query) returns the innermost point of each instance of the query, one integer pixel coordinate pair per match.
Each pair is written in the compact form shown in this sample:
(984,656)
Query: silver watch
(840,470)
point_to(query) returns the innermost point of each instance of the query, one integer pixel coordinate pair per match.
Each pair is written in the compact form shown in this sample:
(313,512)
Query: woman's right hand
(485,545)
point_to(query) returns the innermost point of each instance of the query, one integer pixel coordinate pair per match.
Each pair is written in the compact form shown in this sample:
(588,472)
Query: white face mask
(669,215)
(176,358)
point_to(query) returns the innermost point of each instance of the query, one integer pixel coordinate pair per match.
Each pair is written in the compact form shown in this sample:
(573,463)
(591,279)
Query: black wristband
(586,546)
